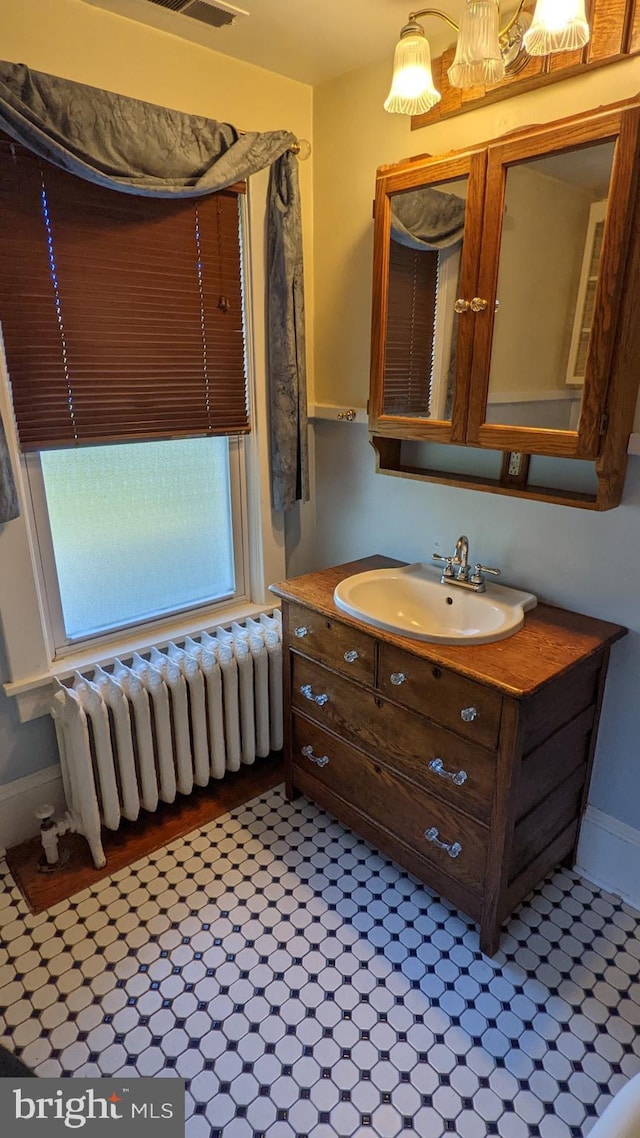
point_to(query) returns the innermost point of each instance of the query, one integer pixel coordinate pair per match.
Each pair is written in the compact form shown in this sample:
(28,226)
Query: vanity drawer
(335,644)
(460,704)
(403,740)
(453,842)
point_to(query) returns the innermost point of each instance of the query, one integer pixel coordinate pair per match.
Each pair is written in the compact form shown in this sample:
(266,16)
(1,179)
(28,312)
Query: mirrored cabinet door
(426,257)
(555,233)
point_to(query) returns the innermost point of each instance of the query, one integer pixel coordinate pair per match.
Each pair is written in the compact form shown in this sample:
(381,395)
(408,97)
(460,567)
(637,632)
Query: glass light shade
(558,25)
(412,90)
(478,58)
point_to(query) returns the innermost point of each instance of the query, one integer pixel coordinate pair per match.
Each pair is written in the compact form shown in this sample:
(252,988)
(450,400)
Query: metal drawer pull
(437,766)
(452,848)
(300,632)
(319,760)
(468,714)
(397,678)
(351,656)
(307,692)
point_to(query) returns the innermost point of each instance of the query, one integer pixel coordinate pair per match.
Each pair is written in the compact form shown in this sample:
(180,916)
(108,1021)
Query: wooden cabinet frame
(473,165)
(622,128)
(611,380)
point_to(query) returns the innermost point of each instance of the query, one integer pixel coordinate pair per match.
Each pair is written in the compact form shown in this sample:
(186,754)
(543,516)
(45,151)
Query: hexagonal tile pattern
(303,985)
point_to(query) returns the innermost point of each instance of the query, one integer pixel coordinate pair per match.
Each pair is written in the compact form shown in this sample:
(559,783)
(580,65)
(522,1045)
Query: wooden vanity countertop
(552,641)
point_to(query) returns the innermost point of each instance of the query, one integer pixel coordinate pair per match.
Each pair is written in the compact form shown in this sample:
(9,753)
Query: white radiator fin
(156,724)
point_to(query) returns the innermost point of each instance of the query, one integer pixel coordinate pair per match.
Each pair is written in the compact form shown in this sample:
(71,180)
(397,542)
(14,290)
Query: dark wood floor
(135,840)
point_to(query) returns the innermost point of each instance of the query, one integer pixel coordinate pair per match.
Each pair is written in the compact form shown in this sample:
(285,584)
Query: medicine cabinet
(504,307)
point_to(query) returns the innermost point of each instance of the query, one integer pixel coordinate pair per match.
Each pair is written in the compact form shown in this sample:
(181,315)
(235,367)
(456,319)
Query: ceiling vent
(215,13)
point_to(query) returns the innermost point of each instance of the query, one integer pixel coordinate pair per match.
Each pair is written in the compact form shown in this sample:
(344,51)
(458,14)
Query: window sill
(33,693)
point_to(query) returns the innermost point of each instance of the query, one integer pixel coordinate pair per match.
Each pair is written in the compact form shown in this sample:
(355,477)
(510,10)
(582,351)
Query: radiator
(149,726)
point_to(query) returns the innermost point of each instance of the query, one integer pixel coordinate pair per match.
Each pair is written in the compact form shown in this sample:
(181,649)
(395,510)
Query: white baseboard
(609,855)
(20,799)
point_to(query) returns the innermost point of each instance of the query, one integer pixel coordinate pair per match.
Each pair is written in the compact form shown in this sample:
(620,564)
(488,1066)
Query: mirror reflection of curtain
(427,218)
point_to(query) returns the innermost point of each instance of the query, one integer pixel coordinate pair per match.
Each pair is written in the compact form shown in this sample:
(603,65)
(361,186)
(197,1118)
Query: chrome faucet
(461,558)
(460,561)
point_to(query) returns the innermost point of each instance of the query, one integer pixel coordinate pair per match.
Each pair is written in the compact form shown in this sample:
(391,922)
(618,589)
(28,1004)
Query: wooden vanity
(469,765)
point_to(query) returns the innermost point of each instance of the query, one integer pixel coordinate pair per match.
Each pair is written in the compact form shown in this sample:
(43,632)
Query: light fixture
(478,57)
(558,25)
(485,52)
(412,88)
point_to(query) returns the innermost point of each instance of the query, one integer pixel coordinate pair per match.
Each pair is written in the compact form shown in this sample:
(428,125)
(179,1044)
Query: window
(123,319)
(136,531)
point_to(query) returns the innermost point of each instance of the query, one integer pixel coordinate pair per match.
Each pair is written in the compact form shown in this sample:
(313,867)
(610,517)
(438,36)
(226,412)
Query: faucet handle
(447,572)
(479,571)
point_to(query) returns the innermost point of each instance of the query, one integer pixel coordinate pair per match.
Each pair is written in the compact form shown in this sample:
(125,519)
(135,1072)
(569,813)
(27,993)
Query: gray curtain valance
(139,148)
(427,219)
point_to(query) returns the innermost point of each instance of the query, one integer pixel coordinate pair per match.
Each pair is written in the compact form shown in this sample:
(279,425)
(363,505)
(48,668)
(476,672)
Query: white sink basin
(411,601)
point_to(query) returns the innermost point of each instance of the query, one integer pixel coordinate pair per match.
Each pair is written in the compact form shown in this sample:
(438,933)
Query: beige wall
(75,40)
(353,135)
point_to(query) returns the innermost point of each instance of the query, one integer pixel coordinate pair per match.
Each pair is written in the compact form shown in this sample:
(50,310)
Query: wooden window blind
(122,315)
(410,330)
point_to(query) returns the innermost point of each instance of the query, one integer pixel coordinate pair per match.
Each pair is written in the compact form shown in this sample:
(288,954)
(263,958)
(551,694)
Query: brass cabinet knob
(461,305)
(479,305)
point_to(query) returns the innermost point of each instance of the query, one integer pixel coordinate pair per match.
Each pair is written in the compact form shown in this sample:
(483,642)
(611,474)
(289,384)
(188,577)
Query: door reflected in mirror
(550,249)
(425,250)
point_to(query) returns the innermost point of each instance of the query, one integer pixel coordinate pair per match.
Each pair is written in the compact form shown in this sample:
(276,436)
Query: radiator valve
(50,831)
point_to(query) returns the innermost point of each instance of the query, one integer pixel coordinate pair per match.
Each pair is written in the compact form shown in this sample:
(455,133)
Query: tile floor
(302,985)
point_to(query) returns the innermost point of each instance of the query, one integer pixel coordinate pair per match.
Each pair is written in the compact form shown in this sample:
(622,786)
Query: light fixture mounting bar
(514,19)
(436,12)
(456,27)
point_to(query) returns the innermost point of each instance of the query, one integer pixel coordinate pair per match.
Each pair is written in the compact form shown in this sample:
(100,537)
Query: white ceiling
(307,40)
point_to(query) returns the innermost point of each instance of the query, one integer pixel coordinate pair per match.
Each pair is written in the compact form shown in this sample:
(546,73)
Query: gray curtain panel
(9,508)
(427,219)
(285,310)
(139,148)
